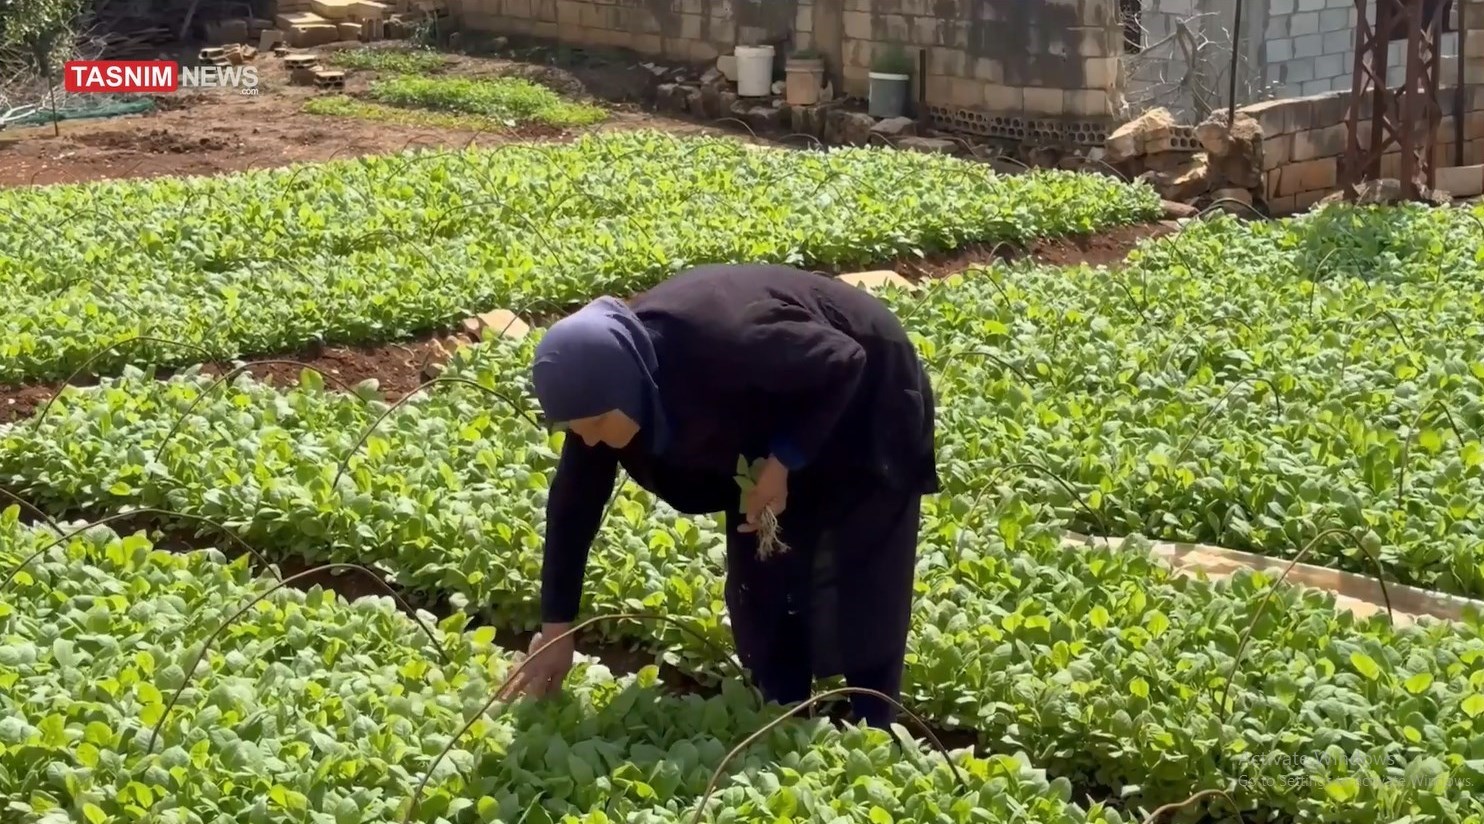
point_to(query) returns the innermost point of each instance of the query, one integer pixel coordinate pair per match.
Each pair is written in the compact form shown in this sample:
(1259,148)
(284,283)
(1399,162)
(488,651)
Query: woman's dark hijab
(599,359)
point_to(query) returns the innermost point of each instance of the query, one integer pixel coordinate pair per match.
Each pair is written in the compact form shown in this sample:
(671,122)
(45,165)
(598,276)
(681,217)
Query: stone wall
(679,30)
(1304,141)
(1041,58)
(1049,58)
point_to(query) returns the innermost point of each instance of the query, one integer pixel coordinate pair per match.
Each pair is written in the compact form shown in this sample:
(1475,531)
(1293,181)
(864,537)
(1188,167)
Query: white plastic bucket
(754,71)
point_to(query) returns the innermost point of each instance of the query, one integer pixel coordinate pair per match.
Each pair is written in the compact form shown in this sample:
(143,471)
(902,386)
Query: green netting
(44,116)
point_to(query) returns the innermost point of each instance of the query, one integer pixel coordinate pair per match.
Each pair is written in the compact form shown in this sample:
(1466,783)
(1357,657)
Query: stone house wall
(1037,58)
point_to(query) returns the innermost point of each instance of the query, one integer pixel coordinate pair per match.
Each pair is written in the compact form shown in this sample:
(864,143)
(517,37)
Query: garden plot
(1106,669)
(380,248)
(1250,386)
(127,696)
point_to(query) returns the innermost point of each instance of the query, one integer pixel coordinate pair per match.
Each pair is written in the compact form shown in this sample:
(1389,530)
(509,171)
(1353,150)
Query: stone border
(1358,594)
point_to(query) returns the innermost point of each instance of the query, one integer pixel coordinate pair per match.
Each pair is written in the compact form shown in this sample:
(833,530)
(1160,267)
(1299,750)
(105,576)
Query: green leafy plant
(768,533)
(396,61)
(510,99)
(893,60)
(377,248)
(103,627)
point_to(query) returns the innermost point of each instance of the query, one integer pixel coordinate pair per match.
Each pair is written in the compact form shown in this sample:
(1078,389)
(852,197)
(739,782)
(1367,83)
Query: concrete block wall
(1304,142)
(1472,12)
(1042,58)
(1309,47)
(679,30)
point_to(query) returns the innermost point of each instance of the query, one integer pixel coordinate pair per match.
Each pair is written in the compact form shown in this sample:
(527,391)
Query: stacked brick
(1472,12)
(1305,139)
(988,56)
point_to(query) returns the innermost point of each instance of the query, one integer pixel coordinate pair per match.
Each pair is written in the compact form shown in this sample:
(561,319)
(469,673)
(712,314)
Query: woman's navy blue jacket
(753,360)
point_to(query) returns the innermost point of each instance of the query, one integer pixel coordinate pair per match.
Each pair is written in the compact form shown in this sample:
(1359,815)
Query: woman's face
(612,428)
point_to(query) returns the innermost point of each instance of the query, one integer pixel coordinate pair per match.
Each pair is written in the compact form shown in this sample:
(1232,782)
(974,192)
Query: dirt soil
(216,131)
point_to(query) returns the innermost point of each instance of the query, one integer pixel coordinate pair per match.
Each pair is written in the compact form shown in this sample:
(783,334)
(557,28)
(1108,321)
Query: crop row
(311,709)
(1249,386)
(376,248)
(1101,666)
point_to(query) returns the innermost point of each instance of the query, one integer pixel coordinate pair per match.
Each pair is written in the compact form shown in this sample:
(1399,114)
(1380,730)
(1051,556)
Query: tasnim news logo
(154,77)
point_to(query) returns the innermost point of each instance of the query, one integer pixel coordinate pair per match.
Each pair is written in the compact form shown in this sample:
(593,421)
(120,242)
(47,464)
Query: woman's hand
(770,491)
(543,674)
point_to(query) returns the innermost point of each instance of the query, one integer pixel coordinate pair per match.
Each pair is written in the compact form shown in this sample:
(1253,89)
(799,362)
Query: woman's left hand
(770,491)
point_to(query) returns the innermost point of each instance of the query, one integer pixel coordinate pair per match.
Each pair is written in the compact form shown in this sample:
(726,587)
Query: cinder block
(1332,20)
(1473,70)
(1309,45)
(373,10)
(1100,72)
(313,34)
(857,25)
(1305,22)
(1313,175)
(803,19)
(1050,102)
(723,29)
(288,20)
(1298,71)
(1317,143)
(1087,103)
(1274,182)
(1277,151)
(1002,98)
(894,27)
(989,70)
(1092,41)
(1271,115)
(949,61)
(1331,66)
(926,31)
(569,13)
(966,92)
(939,90)
(334,10)
(1391,164)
